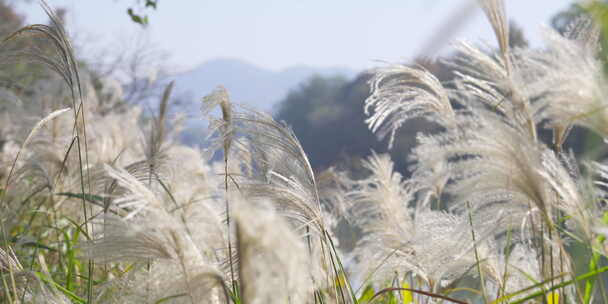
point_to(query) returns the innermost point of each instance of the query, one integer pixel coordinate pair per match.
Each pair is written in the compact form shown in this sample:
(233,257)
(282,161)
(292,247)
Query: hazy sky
(279,33)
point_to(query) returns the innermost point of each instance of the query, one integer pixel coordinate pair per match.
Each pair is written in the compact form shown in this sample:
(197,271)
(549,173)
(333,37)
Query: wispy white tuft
(400,93)
(274,265)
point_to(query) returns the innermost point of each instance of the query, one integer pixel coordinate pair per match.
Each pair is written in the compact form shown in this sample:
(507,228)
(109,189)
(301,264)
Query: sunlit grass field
(101,203)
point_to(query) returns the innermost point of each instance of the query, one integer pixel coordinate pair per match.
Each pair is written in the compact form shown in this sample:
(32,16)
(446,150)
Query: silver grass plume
(62,60)
(405,236)
(281,171)
(153,231)
(493,80)
(568,80)
(572,196)
(273,260)
(28,287)
(400,93)
(497,168)
(6,208)
(483,82)
(31,135)
(383,195)
(517,269)
(219,97)
(282,175)
(158,136)
(490,160)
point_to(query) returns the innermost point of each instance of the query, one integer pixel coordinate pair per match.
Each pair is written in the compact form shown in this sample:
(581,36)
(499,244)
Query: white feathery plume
(489,159)
(408,237)
(124,240)
(568,80)
(32,133)
(484,83)
(384,194)
(281,172)
(491,79)
(571,196)
(519,269)
(439,250)
(400,93)
(274,266)
(29,287)
(154,231)
(219,97)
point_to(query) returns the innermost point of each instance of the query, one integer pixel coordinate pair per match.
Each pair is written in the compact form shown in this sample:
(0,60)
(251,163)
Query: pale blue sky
(279,33)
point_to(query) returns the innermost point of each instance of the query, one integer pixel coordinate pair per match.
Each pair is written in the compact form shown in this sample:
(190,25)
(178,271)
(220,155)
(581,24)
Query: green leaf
(91,198)
(368,294)
(65,291)
(137,18)
(34,244)
(151,3)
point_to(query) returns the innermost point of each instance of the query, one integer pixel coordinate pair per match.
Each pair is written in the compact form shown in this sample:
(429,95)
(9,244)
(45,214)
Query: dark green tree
(138,15)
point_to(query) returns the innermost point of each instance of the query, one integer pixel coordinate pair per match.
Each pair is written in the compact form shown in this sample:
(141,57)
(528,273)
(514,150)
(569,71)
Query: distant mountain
(248,84)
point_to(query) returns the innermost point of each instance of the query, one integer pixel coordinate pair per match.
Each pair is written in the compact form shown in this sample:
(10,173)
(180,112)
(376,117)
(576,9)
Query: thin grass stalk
(337,273)
(478,262)
(593,265)
(505,277)
(541,240)
(13,285)
(226,108)
(369,276)
(551,262)
(346,280)
(3,195)
(328,278)
(72,76)
(561,249)
(240,292)
(585,277)
(234,283)
(312,279)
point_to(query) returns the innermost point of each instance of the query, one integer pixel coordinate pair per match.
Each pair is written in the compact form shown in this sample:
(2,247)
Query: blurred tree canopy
(11,21)
(326,114)
(138,15)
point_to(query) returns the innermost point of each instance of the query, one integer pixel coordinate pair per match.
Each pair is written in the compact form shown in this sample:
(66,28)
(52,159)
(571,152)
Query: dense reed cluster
(101,203)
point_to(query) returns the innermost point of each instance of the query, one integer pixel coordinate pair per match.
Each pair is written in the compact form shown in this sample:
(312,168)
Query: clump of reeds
(105,206)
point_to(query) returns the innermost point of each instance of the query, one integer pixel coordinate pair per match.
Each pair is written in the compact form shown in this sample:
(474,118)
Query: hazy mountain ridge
(247,83)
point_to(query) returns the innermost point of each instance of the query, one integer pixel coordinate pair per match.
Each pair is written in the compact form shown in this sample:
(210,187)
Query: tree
(139,16)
